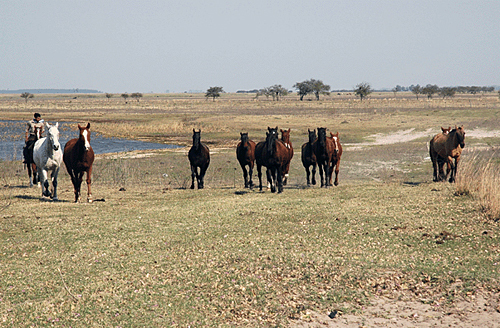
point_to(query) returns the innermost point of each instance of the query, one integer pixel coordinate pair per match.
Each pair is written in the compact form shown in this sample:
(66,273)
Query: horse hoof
(55,199)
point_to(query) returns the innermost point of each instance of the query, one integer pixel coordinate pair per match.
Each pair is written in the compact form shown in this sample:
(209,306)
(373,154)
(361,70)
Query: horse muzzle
(462,145)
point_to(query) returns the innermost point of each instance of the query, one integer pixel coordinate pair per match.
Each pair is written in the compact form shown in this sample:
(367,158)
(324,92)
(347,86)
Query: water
(12,134)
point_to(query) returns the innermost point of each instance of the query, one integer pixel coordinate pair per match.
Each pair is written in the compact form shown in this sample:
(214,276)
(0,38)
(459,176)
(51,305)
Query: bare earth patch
(483,310)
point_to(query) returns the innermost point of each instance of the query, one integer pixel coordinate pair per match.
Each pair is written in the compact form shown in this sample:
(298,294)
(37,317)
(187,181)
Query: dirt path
(481,311)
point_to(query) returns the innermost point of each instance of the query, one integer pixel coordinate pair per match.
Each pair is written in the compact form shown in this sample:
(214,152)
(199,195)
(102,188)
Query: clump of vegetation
(478,176)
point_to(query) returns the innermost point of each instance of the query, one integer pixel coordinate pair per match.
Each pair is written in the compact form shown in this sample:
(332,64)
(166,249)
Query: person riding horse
(30,136)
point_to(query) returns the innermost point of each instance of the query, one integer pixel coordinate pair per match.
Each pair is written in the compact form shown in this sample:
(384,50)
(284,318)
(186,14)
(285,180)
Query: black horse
(309,158)
(199,157)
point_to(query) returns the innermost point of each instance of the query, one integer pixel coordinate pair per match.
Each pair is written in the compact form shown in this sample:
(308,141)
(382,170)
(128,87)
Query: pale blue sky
(144,46)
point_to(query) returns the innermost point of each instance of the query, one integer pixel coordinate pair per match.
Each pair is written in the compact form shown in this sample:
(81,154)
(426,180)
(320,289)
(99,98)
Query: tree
(109,95)
(125,96)
(417,89)
(303,89)
(213,92)
(26,96)
(277,91)
(447,92)
(430,90)
(136,96)
(318,87)
(396,89)
(362,90)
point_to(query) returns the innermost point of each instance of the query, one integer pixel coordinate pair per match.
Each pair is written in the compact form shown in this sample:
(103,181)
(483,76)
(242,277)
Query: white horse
(47,154)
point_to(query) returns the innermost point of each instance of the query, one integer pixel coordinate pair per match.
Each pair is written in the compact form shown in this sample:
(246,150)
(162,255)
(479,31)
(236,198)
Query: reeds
(478,176)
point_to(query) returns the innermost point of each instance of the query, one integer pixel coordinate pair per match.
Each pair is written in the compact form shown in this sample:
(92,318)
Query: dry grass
(478,175)
(158,254)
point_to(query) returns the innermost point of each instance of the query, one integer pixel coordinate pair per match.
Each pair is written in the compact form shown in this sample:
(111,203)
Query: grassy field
(149,252)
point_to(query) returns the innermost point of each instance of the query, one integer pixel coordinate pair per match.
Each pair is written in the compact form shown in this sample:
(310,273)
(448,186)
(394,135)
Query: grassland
(150,252)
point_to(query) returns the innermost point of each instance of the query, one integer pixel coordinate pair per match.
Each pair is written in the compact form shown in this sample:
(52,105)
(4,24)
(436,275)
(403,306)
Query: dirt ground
(482,310)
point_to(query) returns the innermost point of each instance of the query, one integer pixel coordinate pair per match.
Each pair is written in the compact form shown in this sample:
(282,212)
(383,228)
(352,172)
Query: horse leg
(433,156)
(193,175)
(308,174)
(280,182)
(337,169)
(78,185)
(250,172)
(245,174)
(271,178)
(259,174)
(201,177)
(29,174)
(54,183)
(313,180)
(89,182)
(453,168)
(35,175)
(45,183)
(321,174)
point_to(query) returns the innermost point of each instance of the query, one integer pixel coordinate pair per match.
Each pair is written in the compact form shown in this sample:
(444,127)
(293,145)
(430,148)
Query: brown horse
(443,148)
(199,157)
(245,153)
(308,157)
(335,162)
(28,155)
(324,149)
(273,154)
(78,157)
(285,138)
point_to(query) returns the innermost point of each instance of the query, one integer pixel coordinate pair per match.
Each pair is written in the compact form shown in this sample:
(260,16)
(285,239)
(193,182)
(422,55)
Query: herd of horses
(46,157)
(275,153)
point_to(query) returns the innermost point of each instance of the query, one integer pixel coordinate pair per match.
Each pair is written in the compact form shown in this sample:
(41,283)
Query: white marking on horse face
(335,138)
(54,137)
(85,134)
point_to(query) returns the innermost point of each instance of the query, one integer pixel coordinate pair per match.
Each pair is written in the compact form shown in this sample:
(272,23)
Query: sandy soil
(481,311)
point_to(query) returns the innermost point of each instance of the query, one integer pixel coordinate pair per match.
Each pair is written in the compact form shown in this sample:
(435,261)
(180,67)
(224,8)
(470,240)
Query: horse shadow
(46,200)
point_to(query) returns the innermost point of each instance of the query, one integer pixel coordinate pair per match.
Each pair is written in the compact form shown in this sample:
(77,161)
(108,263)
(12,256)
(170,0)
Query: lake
(12,135)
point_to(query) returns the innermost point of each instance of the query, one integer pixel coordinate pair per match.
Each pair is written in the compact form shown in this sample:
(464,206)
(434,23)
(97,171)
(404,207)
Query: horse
(199,157)
(335,162)
(28,155)
(78,157)
(47,155)
(285,138)
(309,158)
(245,153)
(324,149)
(443,148)
(273,154)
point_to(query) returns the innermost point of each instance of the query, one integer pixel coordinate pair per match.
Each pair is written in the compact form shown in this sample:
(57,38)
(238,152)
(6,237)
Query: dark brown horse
(199,157)
(78,157)
(308,157)
(28,155)
(324,149)
(443,148)
(285,138)
(245,153)
(335,162)
(272,154)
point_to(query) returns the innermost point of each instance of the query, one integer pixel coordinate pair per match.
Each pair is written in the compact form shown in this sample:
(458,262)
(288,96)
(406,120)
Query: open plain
(386,247)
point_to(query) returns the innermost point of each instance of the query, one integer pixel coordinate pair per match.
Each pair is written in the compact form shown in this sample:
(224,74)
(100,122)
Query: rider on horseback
(30,136)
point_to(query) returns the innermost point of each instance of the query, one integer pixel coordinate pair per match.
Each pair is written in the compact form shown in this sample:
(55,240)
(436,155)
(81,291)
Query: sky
(147,46)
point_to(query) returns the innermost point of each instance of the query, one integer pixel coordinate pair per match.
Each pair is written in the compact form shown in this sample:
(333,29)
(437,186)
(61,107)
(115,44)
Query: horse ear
(88,125)
(57,124)
(281,130)
(79,126)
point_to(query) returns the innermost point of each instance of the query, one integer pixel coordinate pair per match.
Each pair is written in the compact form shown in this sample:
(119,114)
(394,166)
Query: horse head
(460,134)
(244,137)
(312,135)
(335,138)
(53,135)
(196,138)
(285,136)
(271,137)
(322,136)
(446,131)
(85,135)
(38,132)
